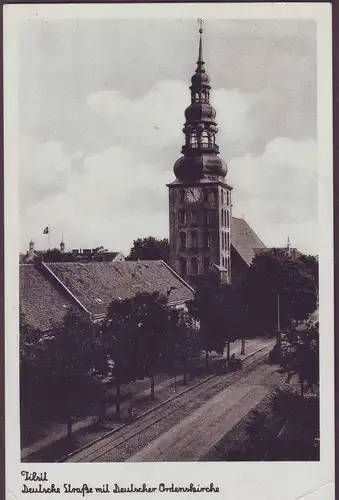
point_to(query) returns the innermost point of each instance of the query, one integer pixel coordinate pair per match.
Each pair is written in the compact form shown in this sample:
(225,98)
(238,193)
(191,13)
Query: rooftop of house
(47,291)
(43,304)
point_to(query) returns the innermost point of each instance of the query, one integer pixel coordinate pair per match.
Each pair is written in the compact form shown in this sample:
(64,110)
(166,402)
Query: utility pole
(278,322)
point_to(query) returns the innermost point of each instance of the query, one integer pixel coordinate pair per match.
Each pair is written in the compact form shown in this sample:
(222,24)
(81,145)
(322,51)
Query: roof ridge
(178,277)
(44,265)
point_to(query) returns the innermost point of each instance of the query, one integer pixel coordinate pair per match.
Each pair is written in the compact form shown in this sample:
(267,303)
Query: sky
(101,113)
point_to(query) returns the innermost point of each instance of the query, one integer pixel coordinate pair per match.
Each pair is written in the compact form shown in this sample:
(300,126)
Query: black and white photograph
(172,226)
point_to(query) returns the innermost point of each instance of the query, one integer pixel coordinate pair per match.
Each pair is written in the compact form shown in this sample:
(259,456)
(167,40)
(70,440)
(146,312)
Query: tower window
(223,262)
(207,240)
(193,217)
(181,196)
(204,138)
(207,217)
(227,219)
(194,239)
(194,265)
(227,197)
(182,217)
(193,140)
(227,241)
(223,240)
(206,263)
(205,194)
(182,237)
(182,266)
(222,217)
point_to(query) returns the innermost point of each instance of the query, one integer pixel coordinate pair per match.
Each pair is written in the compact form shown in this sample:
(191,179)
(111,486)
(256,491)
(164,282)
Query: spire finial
(200,21)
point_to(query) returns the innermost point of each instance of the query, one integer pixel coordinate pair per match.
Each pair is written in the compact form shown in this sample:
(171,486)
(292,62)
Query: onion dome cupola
(200,150)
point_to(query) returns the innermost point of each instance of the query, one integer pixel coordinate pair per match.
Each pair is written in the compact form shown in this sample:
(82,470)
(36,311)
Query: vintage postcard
(169,251)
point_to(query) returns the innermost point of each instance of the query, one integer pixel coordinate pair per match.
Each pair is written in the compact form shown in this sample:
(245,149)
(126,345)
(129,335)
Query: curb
(147,412)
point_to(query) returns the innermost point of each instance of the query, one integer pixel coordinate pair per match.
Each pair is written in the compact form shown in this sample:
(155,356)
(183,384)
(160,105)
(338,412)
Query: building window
(193,217)
(182,266)
(206,263)
(223,262)
(227,197)
(205,194)
(207,240)
(193,140)
(194,265)
(227,241)
(204,138)
(194,239)
(207,218)
(181,196)
(182,237)
(227,219)
(222,240)
(182,217)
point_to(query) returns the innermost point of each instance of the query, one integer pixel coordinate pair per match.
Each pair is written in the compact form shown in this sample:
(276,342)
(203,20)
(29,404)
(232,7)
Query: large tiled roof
(96,284)
(244,240)
(42,304)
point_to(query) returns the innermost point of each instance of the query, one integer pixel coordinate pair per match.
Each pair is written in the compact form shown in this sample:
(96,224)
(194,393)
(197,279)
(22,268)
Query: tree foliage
(300,355)
(221,312)
(139,336)
(59,369)
(275,281)
(149,248)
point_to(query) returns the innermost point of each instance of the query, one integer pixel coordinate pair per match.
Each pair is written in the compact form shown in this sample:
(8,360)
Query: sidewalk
(138,394)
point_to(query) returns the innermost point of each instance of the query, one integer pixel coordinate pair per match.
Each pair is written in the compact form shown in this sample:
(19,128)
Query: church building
(203,234)
(200,199)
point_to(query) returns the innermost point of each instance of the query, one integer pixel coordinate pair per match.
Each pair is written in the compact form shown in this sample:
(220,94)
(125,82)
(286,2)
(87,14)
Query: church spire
(200,149)
(200,58)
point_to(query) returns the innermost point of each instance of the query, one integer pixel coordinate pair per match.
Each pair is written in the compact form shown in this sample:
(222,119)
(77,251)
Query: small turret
(31,246)
(62,245)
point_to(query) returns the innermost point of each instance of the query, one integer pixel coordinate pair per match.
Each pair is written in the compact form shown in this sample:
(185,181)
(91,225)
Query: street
(188,426)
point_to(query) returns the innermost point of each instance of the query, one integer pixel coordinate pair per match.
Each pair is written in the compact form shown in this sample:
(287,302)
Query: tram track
(119,444)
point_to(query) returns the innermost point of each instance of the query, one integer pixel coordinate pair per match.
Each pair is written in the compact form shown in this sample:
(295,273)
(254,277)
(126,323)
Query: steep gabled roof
(96,284)
(42,303)
(244,240)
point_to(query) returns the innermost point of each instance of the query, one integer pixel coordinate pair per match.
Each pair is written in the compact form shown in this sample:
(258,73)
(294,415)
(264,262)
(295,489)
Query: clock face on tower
(193,195)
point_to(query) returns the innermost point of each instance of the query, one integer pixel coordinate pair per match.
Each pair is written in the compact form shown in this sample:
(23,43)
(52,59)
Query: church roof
(244,240)
(42,303)
(96,284)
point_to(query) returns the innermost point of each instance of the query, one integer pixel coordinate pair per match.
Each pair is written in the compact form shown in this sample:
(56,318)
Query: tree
(142,332)
(221,312)
(300,355)
(74,360)
(149,249)
(185,344)
(54,255)
(277,285)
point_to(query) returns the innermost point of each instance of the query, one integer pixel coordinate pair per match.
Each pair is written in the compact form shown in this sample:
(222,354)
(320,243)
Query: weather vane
(200,21)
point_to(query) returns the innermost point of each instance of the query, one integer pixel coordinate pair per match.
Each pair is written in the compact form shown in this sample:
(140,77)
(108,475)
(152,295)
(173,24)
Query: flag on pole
(46,230)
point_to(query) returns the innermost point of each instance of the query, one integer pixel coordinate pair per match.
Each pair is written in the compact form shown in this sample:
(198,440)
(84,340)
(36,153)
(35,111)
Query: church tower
(200,198)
